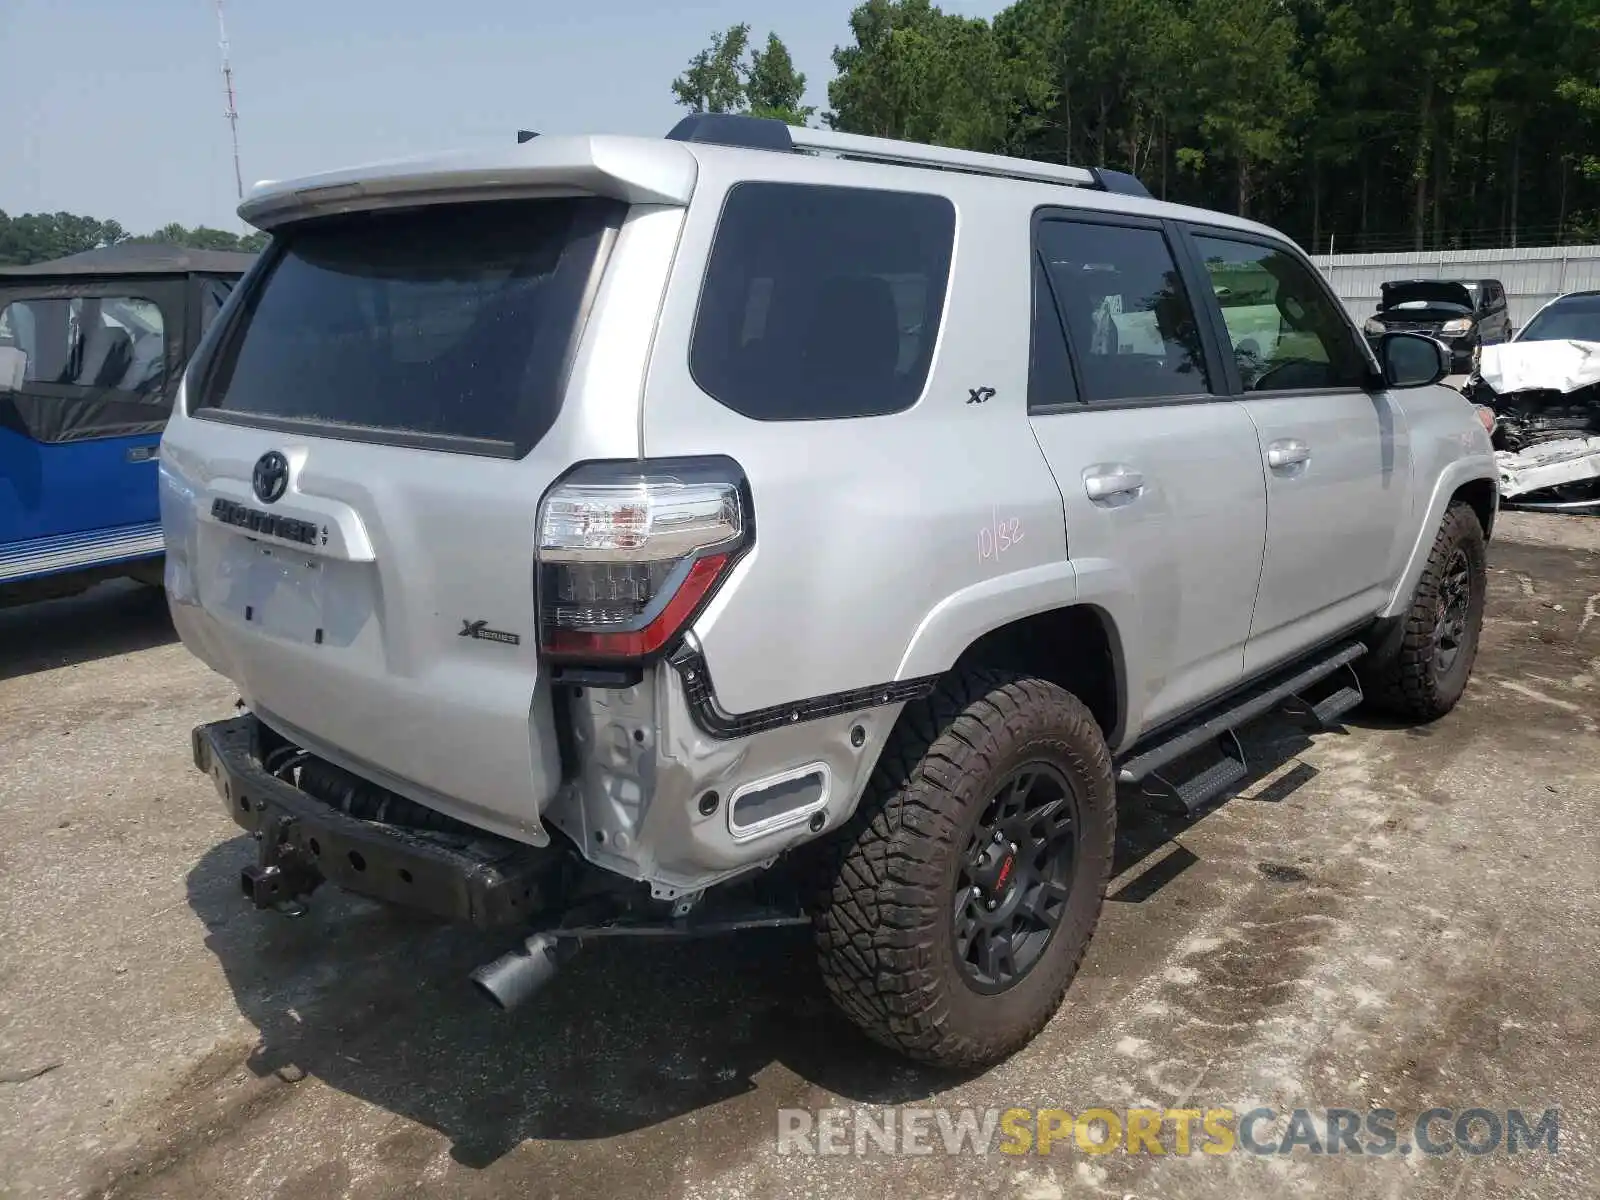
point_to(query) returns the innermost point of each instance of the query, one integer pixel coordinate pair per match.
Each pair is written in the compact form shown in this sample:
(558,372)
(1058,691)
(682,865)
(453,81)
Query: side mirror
(1412,360)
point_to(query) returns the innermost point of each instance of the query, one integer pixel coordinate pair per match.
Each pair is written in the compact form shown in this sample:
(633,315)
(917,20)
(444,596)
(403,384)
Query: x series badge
(481,631)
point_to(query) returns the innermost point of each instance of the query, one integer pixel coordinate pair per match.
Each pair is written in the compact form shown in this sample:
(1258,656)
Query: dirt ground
(1384,918)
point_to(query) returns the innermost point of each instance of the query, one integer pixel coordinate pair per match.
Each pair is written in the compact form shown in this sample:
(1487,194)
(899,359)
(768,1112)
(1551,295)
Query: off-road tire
(884,925)
(1403,677)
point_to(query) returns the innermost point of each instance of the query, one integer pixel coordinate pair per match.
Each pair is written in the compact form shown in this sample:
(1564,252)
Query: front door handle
(1289,452)
(1106,480)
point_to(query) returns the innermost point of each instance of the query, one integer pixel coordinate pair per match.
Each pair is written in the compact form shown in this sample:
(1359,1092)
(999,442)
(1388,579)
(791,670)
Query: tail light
(629,553)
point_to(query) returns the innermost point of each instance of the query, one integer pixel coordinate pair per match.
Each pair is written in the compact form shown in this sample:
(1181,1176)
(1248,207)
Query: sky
(114,108)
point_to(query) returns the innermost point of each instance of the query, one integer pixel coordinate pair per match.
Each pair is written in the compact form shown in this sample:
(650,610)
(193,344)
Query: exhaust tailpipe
(512,978)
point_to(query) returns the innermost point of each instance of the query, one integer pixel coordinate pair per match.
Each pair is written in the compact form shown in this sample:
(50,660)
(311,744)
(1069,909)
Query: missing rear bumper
(477,879)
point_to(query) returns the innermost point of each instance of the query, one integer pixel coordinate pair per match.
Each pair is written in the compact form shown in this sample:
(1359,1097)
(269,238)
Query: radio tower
(232,114)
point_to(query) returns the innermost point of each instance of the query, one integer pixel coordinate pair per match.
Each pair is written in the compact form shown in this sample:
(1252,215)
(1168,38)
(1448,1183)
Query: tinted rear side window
(1127,312)
(822,302)
(452,322)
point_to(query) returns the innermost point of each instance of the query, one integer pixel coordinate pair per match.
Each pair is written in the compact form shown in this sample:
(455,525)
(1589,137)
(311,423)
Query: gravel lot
(1383,918)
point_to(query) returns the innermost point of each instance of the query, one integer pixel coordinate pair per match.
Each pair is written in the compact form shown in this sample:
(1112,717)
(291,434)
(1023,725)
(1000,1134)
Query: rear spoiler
(634,170)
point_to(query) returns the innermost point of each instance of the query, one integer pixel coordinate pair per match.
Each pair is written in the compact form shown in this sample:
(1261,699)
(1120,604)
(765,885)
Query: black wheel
(967,886)
(1422,676)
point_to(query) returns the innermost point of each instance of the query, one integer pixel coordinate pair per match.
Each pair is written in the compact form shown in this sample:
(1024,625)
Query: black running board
(1293,691)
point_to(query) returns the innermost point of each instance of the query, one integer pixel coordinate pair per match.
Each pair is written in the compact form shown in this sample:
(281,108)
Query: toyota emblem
(271,477)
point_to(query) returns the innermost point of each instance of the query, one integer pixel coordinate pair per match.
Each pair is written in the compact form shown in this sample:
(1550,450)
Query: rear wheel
(968,885)
(1422,677)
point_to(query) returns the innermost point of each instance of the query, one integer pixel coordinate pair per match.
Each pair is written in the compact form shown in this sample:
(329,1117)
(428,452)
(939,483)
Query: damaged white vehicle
(1543,389)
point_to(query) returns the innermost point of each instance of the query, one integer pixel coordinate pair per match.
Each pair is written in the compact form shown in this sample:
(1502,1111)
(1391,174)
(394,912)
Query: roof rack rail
(915,154)
(766,133)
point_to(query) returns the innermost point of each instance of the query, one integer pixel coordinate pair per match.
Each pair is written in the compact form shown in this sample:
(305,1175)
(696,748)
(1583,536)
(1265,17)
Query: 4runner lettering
(231,512)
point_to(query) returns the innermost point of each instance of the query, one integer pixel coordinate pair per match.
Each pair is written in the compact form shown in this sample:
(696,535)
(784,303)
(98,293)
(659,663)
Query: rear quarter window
(822,302)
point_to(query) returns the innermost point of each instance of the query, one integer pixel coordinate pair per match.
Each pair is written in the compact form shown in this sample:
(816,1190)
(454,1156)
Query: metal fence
(1531,276)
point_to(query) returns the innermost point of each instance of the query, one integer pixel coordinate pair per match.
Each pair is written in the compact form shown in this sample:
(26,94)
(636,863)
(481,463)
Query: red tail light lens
(629,553)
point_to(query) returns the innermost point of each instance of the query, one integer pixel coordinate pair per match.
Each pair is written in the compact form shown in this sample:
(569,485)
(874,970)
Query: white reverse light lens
(639,520)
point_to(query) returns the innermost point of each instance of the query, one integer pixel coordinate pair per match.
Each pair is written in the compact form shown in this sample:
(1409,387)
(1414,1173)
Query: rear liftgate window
(451,327)
(822,302)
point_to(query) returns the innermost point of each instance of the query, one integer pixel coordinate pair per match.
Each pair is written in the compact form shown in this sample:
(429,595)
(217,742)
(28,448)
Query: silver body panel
(885,545)
(1336,515)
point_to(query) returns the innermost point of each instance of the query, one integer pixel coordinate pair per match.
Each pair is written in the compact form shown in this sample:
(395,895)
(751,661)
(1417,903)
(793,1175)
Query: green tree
(39,237)
(1414,59)
(1246,88)
(722,79)
(203,237)
(773,88)
(1384,124)
(1109,72)
(714,81)
(916,72)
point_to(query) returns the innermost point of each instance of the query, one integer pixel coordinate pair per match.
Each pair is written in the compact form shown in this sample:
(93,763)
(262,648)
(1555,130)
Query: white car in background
(1543,388)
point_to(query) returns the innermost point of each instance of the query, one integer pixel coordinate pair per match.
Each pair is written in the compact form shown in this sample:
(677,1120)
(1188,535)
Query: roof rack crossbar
(915,154)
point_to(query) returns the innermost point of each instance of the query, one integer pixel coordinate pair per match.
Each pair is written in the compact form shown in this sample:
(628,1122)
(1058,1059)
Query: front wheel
(1422,678)
(969,882)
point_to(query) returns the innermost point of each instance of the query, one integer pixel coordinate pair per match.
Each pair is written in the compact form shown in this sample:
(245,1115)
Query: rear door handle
(1288,452)
(1106,480)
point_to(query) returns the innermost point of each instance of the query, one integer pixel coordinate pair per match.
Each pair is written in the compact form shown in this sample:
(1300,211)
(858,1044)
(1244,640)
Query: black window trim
(223,328)
(195,326)
(1191,230)
(241,303)
(339,431)
(944,298)
(1216,362)
(1037,273)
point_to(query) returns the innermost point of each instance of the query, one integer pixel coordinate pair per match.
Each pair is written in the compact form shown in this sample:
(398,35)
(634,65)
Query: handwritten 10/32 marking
(1000,535)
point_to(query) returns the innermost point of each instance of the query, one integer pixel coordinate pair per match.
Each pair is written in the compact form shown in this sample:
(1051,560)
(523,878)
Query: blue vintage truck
(92,347)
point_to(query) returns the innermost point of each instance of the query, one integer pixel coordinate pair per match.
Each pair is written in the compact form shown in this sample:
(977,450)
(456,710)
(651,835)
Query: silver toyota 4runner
(625,537)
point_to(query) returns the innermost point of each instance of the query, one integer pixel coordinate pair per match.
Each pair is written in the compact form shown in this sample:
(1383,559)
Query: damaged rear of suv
(625,537)
(465,577)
